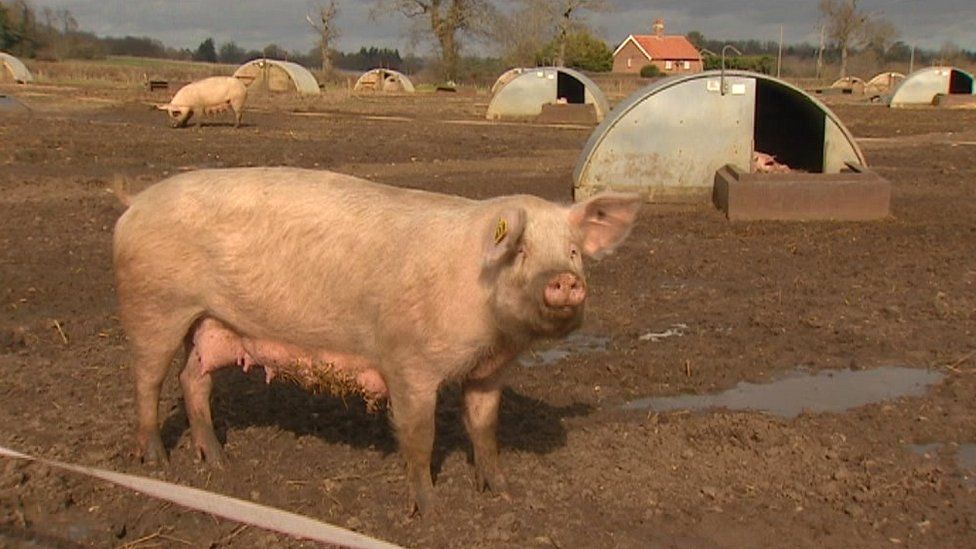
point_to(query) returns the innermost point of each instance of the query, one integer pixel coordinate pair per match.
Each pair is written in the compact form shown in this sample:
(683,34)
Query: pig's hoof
(152,452)
(212,455)
(494,482)
(424,505)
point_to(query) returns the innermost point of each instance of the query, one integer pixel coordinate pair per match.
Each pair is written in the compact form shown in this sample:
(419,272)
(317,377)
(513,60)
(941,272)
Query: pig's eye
(573,253)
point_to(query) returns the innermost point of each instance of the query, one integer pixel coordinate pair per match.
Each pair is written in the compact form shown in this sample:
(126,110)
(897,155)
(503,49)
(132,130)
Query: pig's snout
(565,290)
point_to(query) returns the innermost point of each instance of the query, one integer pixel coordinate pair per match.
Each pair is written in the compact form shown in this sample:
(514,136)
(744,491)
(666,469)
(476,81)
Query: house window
(668,65)
(687,65)
(630,62)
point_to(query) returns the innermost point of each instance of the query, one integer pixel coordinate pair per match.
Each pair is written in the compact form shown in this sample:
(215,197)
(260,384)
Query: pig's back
(210,91)
(280,251)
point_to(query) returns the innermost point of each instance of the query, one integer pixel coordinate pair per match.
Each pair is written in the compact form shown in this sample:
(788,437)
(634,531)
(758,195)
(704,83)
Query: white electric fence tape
(227,507)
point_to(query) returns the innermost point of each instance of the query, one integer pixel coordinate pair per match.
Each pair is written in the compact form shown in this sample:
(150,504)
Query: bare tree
(522,34)
(325,26)
(447,19)
(563,17)
(880,35)
(948,53)
(845,25)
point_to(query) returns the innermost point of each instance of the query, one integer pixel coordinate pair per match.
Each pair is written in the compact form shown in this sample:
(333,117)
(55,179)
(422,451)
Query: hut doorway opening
(570,89)
(789,127)
(961,83)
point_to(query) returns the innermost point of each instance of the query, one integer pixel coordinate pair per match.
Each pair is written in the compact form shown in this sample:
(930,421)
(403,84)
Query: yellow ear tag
(501,231)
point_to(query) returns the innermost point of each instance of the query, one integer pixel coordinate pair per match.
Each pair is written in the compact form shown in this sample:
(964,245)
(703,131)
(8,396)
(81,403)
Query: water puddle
(825,391)
(572,345)
(675,330)
(965,457)
(10,104)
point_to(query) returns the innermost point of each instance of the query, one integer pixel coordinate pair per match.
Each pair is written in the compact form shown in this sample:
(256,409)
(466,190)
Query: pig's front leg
(412,406)
(482,398)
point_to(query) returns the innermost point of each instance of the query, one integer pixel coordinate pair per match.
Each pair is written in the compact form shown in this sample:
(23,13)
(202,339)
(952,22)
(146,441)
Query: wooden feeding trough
(854,194)
(668,140)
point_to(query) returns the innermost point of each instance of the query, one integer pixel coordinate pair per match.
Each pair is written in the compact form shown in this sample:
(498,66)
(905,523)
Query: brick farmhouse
(672,54)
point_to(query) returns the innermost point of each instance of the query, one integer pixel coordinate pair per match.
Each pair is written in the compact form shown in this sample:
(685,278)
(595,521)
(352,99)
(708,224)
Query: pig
(350,286)
(767,163)
(208,96)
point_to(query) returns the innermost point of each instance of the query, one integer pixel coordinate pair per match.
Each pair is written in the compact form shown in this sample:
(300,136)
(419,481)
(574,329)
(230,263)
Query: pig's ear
(503,235)
(605,221)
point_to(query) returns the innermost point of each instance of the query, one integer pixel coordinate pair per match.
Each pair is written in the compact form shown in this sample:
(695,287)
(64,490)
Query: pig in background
(344,285)
(210,96)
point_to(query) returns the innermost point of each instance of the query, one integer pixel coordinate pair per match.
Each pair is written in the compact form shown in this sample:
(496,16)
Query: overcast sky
(253,24)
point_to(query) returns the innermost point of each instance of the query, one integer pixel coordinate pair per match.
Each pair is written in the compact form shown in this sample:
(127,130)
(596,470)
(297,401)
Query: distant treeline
(55,35)
(898,52)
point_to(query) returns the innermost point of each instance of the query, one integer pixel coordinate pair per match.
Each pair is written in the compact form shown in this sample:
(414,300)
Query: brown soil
(758,299)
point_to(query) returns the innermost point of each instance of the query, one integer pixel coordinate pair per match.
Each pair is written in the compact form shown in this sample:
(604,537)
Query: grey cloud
(256,23)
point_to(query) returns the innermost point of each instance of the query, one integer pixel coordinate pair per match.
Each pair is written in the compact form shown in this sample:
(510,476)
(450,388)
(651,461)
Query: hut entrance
(570,89)
(961,83)
(789,127)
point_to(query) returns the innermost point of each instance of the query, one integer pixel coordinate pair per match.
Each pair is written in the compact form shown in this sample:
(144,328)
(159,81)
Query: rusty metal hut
(883,83)
(13,69)
(525,95)
(668,140)
(384,80)
(925,86)
(277,76)
(849,84)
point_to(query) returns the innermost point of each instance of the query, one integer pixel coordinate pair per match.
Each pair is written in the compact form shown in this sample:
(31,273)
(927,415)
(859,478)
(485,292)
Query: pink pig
(208,96)
(350,286)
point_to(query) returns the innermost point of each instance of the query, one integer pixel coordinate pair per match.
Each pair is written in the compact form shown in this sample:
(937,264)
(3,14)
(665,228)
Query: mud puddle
(571,345)
(825,391)
(964,456)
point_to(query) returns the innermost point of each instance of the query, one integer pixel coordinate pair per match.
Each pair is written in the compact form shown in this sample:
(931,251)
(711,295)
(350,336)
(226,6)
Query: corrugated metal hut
(525,95)
(384,80)
(668,140)
(13,69)
(277,76)
(883,83)
(505,78)
(923,86)
(849,84)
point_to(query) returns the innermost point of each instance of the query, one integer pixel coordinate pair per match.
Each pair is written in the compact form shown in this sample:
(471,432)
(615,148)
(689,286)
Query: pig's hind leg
(209,347)
(197,385)
(154,343)
(238,114)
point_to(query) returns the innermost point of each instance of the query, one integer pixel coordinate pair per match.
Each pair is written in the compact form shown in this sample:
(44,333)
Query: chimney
(658,27)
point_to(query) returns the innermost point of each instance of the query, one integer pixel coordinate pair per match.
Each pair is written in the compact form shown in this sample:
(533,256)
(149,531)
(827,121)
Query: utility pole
(779,58)
(820,67)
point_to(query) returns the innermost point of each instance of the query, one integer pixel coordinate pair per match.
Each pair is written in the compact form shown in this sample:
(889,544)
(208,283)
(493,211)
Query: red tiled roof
(666,47)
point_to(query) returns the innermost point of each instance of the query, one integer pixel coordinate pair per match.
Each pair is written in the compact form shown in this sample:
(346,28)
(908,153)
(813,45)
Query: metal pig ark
(933,86)
(544,90)
(670,140)
(383,80)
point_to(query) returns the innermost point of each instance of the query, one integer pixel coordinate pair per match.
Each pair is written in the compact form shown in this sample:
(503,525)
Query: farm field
(689,305)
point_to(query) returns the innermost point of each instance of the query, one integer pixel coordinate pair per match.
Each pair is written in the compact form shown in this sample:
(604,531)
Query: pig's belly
(218,346)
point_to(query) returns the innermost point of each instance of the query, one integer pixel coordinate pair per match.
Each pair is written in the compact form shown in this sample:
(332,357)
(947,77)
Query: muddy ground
(749,302)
